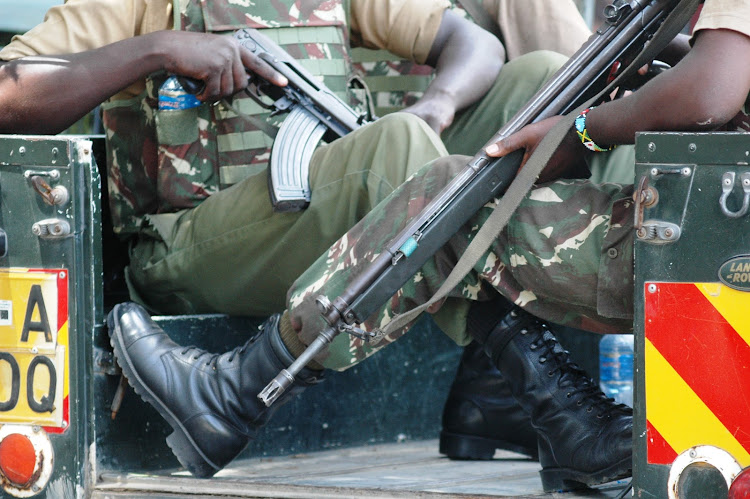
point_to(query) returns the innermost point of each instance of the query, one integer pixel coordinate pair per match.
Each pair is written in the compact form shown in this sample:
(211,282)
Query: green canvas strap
(526,177)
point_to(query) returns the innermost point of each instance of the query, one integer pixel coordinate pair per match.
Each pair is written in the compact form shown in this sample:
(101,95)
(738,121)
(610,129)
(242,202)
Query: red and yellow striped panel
(697,359)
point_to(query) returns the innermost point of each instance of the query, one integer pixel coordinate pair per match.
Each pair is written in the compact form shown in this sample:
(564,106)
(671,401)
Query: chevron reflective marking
(697,360)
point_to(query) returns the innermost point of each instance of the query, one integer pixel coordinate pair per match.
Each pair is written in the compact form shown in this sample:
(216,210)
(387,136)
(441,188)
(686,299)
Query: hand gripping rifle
(315,114)
(629,26)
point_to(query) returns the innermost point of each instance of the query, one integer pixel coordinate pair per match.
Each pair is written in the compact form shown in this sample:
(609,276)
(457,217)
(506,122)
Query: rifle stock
(629,27)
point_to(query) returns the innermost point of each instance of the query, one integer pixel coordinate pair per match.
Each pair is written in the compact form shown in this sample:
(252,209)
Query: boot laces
(212,359)
(572,379)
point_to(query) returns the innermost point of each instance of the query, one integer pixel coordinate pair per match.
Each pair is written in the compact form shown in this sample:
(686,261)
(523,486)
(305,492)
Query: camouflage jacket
(165,160)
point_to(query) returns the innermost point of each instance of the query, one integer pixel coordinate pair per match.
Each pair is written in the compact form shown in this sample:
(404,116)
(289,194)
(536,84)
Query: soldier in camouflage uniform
(480,414)
(189,187)
(566,255)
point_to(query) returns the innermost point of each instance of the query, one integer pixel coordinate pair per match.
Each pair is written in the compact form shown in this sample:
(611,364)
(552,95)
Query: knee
(404,127)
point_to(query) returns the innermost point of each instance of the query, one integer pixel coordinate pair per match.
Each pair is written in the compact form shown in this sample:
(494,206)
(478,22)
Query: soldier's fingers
(212,89)
(227,82)
(239,74)
(261,68)
(507,145)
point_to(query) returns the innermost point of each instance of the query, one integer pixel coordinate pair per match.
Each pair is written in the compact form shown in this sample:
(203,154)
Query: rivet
(692,147)
(651,146)
(22,150)
(612,252)
(652,288)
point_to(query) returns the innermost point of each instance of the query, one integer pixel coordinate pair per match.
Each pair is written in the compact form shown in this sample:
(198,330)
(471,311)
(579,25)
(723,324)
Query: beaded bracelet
(583,134)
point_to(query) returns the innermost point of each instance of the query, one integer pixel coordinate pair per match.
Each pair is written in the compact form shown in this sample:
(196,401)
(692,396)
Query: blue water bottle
(616,367)
(173,97)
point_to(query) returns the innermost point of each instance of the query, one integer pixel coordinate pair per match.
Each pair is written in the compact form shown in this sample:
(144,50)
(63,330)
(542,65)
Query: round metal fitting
(720,459)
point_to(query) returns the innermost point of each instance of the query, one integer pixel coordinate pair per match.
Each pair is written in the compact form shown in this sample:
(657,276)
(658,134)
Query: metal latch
(727,186)
(51,228)
(658,232)
(651,231)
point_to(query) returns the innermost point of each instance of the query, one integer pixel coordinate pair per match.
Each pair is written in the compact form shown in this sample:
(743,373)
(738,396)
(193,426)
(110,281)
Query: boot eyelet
(589,409)
(533,346)
(524,331)
(568,395)
(579,403)
(550,373)
(542,360)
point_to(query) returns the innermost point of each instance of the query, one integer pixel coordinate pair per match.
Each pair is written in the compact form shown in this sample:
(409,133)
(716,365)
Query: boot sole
(565,479)
(179,441)
(458,446)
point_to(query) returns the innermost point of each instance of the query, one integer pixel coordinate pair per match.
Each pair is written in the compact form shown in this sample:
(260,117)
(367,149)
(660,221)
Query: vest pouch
(176,127)
(187,170)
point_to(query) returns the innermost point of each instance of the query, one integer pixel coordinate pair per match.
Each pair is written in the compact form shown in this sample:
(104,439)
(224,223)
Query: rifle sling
(523,182)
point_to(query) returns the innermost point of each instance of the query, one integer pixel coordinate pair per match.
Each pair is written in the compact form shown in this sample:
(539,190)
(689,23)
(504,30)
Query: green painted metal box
(692,321)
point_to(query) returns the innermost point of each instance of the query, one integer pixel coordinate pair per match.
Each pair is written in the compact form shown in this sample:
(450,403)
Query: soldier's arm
(46,94)
(467,60)
(703,92)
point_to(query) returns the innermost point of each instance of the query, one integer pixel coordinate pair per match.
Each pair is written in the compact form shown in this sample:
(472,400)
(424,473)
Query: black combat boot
(481,415)
(585,438)
(209,400)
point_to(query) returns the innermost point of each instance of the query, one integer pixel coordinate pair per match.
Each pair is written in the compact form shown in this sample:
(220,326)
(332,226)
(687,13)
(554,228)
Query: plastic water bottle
(616,367)
(173,97)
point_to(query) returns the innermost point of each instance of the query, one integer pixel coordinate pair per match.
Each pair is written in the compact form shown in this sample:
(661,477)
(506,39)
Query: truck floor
(399,470)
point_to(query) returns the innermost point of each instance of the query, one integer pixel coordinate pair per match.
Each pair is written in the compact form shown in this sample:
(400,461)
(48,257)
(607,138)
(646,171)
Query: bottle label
(173,96)
(616,368)
(176,100)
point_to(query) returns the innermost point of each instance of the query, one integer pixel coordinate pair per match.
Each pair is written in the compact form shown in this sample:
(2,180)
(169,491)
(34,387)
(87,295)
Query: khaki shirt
(725,14)
(405,27)
(529,25)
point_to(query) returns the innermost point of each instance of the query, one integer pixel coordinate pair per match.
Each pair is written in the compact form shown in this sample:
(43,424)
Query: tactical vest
(161,161)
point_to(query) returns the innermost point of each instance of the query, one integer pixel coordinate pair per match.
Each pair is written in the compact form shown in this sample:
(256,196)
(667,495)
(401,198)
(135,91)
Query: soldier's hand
(567,158)
(220,62)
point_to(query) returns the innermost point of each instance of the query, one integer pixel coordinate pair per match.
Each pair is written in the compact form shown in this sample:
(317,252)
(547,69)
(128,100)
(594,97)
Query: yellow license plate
(34,347)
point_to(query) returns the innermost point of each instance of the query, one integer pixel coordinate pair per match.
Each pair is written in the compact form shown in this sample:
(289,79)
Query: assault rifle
(315,114)
(629,26)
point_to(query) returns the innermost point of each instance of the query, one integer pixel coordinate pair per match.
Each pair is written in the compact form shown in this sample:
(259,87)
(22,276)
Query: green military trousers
(566,255)
(232,254)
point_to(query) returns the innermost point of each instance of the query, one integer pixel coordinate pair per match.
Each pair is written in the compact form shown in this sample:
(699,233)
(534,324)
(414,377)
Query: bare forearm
(703,92)
(46,94)
(467,67)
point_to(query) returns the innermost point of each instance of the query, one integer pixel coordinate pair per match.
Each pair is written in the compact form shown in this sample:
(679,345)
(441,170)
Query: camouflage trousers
(566,256)
(233,254)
